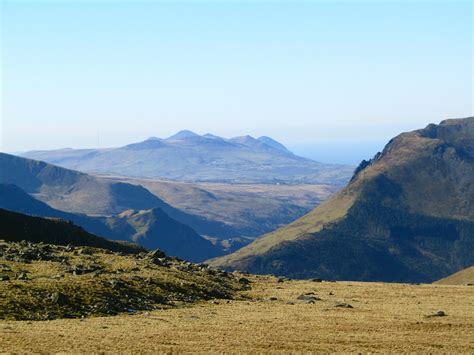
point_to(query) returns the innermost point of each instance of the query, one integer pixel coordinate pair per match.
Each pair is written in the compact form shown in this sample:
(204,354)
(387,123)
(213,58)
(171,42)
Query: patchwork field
(280,315)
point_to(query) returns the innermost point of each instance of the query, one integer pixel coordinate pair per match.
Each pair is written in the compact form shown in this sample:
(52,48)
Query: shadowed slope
(76,192)
(153,228)
(15,227)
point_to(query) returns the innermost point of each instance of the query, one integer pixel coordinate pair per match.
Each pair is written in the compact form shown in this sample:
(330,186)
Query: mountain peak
(211,136)
(273,143)
(245,140)
(183,134)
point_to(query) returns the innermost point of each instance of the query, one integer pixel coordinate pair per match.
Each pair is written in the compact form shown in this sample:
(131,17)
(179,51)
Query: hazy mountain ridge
(407,215)
(76,192)
(152,229)
(189,157)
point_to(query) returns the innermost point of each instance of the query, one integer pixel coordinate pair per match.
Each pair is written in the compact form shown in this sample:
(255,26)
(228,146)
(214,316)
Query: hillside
(407,215)
(463,277)
(47,281)
(75,192)
(189,157)
(16,227)
(155,229)
(152,229)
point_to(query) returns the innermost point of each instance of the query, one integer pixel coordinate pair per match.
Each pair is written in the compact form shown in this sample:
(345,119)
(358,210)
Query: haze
(332,81)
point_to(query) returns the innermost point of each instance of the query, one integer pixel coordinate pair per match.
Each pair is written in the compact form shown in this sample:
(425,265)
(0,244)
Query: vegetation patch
(43,281)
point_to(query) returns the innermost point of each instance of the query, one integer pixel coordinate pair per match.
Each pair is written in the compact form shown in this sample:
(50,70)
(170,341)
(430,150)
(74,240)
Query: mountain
(16,227)
(187,156)
(407,215)
(463,277)
(273,143)
(76,192)
(152,229)
(155,229)
(184,134)
(14,199)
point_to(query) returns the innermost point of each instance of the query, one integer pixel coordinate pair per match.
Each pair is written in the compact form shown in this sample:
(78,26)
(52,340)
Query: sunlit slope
(462,277)
(406,215)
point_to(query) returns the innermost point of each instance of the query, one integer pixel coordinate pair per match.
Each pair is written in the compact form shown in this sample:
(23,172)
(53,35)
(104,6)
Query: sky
(332,80)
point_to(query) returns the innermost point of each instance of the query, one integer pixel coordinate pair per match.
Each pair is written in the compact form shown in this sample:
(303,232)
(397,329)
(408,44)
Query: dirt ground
(384,318)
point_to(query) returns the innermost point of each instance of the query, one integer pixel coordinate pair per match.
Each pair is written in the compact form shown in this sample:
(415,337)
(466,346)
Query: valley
(249,210)
(236,177)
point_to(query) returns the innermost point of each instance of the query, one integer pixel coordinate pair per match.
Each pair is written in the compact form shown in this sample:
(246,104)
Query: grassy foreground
(283,316)
(45,282)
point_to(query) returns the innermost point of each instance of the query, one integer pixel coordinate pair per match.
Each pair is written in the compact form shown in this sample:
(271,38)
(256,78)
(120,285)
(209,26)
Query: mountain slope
(152,229)
(155,229)
(406,215)
(76,192)
(189,157)
(463,277)
(15,227)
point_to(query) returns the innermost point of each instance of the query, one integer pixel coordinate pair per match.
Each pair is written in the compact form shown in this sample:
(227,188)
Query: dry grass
(385,318)
(101,283)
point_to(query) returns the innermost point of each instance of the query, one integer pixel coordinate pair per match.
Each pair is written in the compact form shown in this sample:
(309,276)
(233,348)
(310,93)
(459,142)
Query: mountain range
(151,228)
(190,157)
(41,189)
(406,215)
(77,192)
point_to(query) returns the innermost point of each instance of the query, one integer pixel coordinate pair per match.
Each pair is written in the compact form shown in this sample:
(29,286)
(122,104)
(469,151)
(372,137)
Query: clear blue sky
(312,74)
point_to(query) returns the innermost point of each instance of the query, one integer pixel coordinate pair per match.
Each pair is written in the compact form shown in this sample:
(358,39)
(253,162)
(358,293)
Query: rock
(5,268)
(86,251)
(22,276)
(117,284)
(343,305)
(244,281)
(308,298)
(156,254)
(281,279)
(290,302)
(4,278)
(273,299)
(438,314)
(317,280)
(59,298)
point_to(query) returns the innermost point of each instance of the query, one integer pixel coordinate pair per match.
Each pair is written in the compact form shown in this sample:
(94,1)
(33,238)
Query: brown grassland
(384,318)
